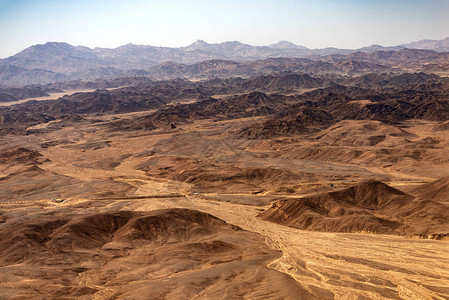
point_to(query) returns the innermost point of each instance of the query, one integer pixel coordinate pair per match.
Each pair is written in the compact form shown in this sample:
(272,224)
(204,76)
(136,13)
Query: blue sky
(174,23)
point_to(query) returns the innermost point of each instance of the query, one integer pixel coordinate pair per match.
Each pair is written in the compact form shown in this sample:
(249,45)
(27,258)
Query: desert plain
(324,177)
(174,213)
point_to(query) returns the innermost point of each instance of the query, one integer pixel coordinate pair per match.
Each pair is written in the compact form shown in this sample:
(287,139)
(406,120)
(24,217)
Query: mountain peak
(57,44)
(202,45)
(286,45)
(200,42)
(198,45)
(435,45)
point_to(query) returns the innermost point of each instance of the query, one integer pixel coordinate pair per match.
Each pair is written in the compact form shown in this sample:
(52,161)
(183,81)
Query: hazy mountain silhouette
(54,61)
(434,45)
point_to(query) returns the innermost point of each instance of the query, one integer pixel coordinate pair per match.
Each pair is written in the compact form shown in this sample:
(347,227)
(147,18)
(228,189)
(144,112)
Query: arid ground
(91,212)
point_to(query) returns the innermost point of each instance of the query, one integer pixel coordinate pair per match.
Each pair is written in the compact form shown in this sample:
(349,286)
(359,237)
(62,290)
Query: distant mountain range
(54,61)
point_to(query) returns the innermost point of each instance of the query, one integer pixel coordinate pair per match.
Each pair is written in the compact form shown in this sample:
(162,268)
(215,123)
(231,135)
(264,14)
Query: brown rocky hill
(20,155)
(337,102)
(171,253)
(370,206)
(362,133)
(436,190)
(13,94)
(284,83)
(441,126)
(304,120)
(404,58)
(390,103)
(357,67)
(405,80)
(239,106)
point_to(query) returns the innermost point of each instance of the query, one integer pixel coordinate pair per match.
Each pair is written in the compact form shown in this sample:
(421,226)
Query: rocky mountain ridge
(54,61)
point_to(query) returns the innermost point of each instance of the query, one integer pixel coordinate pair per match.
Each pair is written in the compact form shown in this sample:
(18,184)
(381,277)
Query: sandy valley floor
(203,167)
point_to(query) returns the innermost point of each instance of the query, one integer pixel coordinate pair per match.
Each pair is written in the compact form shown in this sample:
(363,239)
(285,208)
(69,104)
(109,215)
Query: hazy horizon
(346,24)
